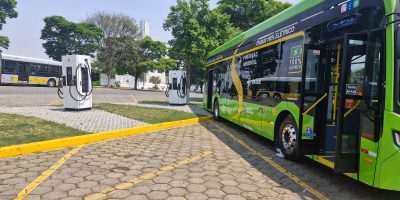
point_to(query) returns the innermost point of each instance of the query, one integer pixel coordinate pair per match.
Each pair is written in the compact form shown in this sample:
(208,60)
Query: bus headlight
(396,137)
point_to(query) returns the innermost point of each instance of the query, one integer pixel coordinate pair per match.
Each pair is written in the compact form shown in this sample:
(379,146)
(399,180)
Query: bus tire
(51,83)
(216,111)
(287,138)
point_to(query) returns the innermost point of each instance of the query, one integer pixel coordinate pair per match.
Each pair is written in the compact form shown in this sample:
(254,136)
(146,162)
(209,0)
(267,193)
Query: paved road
(192,162)
(19,96)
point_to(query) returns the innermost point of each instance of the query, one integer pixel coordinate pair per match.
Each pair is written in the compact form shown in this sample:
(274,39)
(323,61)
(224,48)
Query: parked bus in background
(322,80)
(29,71)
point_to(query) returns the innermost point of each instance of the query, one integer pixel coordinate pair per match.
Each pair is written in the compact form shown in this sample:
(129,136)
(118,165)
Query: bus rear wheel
(51,83)
(287,138)
(216,111)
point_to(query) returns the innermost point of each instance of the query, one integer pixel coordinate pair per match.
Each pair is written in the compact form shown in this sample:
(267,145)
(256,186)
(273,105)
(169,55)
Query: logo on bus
(296,59)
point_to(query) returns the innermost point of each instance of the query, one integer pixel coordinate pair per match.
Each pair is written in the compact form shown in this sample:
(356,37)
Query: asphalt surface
(21,96)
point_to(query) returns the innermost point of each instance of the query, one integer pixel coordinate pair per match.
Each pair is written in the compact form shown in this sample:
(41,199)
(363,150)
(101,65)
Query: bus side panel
(387,173)
(9,78)
(368,160)
(39,80)
(250,117)
(223,108)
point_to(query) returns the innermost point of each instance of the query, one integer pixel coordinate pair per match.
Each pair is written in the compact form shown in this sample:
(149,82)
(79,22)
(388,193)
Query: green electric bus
(322,80)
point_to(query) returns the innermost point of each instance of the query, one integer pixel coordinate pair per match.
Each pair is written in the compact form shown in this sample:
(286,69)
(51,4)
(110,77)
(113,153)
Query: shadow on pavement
(319,177)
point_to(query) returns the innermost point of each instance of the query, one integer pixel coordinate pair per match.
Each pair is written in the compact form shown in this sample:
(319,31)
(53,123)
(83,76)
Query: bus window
(264,75)
(43,70)
(54,71)
(373,91)
(9,67)
(290,70)
(33,69)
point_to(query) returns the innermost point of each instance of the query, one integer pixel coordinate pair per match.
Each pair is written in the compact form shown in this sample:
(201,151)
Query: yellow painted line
(275,165)
(122,186)
(92,138)
(46,174)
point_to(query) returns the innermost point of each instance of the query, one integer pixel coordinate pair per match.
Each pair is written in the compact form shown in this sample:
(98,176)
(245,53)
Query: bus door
(210,77)
(360,109)
(313,100)
(23,72)
(351,92)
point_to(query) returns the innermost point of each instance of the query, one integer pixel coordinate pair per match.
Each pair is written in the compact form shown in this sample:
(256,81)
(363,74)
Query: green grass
(166,103)
(161,103)
(17,129)
(146,114)
(96,83)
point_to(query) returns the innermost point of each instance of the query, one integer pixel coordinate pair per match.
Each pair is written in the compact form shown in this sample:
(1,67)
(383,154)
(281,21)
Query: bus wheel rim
(289,137)
(216,110)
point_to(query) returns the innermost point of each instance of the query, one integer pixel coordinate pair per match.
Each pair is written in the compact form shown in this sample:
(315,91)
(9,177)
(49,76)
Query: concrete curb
(23,149)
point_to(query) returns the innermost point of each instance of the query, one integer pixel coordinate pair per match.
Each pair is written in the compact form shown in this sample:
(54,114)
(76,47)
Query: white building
(144,28)
(128,81)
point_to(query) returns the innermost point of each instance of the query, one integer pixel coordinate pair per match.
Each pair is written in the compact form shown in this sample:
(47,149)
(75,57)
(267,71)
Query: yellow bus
(21,70)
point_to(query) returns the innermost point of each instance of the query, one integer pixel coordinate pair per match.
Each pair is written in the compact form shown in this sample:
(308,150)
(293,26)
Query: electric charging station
(75,87)
(176,90)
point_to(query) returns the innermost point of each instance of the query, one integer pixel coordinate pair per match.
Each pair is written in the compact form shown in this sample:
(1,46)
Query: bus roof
(29,59)
(269,23)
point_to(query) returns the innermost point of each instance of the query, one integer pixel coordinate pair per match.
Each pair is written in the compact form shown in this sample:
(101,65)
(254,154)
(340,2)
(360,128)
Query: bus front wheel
(287,138)
(216,111)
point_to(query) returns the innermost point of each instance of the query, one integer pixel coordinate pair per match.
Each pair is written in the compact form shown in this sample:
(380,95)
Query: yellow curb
(23,149)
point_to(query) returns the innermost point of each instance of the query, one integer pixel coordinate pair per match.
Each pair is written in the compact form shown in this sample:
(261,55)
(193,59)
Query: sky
(24,31)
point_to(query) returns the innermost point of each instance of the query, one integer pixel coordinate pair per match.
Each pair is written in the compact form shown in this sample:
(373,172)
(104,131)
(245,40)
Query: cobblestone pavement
(90,121)
(166,165)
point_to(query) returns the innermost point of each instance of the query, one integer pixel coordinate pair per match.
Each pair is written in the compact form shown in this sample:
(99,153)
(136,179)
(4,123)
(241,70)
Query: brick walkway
(90,120)
(166,165)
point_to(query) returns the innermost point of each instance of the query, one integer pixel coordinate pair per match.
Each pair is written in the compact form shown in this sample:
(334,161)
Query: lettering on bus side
(219,57)
(275,35)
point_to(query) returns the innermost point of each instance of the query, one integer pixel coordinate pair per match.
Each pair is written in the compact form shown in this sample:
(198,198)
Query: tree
(116,52)
(245,14)
(149,54)
(151,50)
(155,80)
(117,46)
(64,37)
(167,64)
(114,25)
(7,10)
(139,57)
(196,30)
